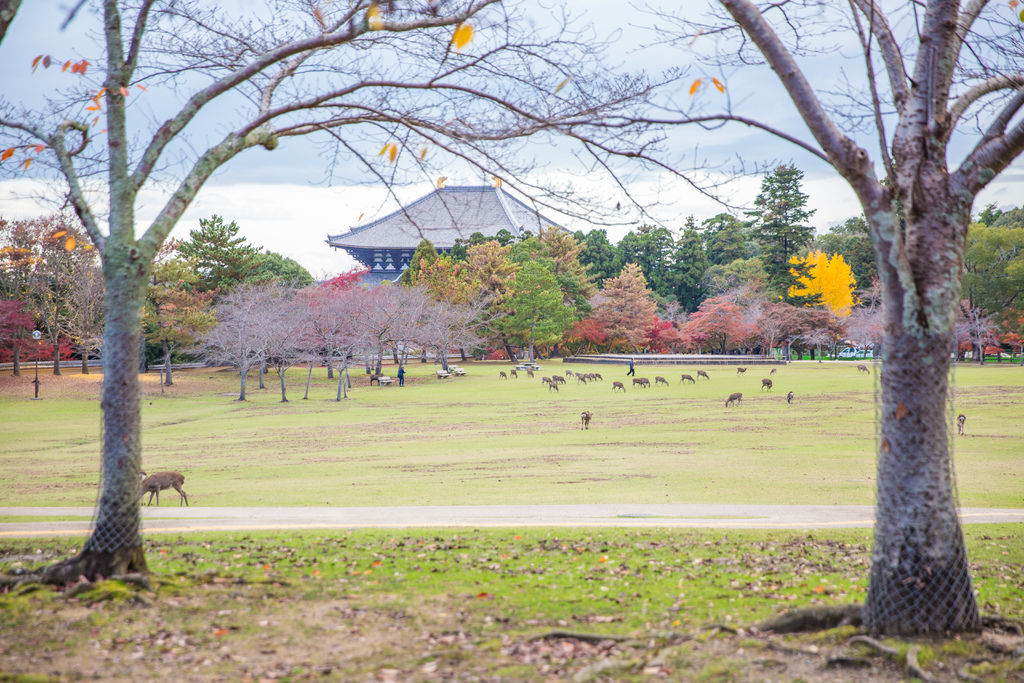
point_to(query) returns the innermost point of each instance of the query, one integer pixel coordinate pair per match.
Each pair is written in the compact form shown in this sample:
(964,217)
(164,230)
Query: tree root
(96,566)
(874,645)
(817,618)
(584,637)
(1003,623)
(913,667)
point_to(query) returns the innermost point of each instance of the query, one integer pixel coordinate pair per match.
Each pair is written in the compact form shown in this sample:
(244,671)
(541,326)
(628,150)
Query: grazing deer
(863,368)
(766,383)
(581,379)
(660,380)
(789,397)
(701,373)
(618,385)
(568,373)
(597,375)
(529,373)
(553,385)
(641,381)
(733,398)
(558,378)
(772,372)
(515,375)
(155,483)
(546,380)
(687,378)
(585,419)
(740,371)
(502,375)
(960,420)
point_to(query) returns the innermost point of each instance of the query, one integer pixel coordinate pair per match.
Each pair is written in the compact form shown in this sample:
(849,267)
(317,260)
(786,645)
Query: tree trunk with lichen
(115,545)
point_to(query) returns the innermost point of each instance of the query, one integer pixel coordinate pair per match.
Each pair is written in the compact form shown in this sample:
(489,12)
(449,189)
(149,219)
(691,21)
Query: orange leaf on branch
(69,244)
(25,164)
(463,34)
(66,65)
(373,20)
(40,147)
(718,84)
(35,63)
(7,154)
(694,87)
(57,235)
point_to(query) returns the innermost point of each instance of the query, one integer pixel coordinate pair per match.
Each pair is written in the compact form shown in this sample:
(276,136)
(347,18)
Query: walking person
(632,370)
(401,375)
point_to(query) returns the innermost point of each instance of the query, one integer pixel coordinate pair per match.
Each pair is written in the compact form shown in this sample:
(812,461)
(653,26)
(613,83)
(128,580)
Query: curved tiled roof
(444,215)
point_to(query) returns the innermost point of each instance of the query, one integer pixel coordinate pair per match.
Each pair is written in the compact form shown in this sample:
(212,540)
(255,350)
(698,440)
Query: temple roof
(444,215)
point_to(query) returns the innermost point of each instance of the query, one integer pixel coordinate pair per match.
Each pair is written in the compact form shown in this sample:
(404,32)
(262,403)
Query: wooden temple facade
(447,214)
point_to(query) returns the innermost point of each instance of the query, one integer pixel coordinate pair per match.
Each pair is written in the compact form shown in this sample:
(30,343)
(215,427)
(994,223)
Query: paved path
(179,520)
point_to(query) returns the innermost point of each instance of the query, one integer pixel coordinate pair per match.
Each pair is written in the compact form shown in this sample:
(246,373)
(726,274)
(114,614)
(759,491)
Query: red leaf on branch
(7,154)
(40,148)
(35,63)
(66,65)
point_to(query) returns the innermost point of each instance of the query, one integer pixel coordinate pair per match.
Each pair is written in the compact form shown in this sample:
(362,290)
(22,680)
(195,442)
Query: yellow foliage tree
(832,278)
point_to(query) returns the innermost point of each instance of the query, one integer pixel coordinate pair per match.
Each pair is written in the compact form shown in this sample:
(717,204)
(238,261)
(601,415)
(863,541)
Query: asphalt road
(168,519)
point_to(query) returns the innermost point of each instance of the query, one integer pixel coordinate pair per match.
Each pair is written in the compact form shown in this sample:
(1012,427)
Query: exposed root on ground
(816,618)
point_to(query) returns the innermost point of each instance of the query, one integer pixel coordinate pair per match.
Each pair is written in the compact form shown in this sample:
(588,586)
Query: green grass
(481,440)
(470,600)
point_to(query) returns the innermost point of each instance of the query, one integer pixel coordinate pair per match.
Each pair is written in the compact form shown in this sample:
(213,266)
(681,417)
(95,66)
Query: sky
(282,202)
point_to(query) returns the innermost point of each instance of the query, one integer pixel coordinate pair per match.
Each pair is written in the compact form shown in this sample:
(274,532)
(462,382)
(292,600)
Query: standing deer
(740,371)
(597,375)
(502,375)
(552,385)
(641,381)
(581,378)
(733,398)
(568,373)
(960,420)
(863,368)
(772,372)
(558,378)
(687,378)
(766,383)
(529,373)
(701,373)
(514,374)
(585,419)
(660,380)
(618,385)
(155,483)
(789,397)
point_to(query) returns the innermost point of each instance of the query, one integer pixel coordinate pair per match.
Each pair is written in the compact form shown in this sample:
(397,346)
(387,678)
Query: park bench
(441,374)
(457,371)
(383,379)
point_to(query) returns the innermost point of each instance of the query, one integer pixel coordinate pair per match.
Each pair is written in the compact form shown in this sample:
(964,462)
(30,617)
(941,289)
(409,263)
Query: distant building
(386,245)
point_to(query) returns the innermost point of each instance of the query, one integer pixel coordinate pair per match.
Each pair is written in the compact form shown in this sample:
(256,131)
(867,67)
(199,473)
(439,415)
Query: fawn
(155,483)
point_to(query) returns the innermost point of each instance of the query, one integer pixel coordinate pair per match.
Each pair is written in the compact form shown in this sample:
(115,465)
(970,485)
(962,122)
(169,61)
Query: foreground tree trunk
(115,545)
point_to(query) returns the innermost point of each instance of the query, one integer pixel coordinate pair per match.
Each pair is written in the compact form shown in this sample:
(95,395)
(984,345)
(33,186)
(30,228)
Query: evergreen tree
(691,264)
(651,247)
(425,254)
(223,259)
(273,266)
(600,255)
(726,238)
(780,221)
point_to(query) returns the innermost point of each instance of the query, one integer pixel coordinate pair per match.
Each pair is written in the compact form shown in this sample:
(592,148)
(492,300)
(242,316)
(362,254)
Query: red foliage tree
(719,323)
(663,336)
(347,279)
(586,334)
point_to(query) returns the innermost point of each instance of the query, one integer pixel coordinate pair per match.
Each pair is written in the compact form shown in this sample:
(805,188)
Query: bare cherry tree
(361,73)
(447,325)
(285,333)
(933,74)
(240,338)
(977,328)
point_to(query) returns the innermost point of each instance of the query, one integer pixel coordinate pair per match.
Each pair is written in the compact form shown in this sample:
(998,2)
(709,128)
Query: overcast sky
(281,201)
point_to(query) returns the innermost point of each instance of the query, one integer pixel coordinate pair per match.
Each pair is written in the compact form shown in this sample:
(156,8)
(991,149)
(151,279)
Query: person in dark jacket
(401,375)
(632,370)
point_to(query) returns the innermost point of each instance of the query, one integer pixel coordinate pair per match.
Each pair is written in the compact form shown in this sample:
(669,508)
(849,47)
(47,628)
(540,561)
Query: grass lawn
(534,604)
(480,440)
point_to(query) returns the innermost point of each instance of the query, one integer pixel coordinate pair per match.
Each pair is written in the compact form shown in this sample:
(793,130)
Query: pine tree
(691,264)
(780,222)
(222,259)
(425,254)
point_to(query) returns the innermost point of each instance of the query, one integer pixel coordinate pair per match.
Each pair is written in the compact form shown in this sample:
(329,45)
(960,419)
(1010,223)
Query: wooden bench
(441,374)
(386,380)
(457,371)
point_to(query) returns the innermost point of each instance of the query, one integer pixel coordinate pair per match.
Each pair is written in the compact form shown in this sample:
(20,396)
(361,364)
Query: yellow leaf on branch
(25,164)
(373,20)
(393,154)
(463,34)
(562,85)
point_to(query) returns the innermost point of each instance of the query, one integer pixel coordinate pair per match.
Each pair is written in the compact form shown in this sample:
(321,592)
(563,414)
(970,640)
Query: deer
(502,375)
(960,420)
(733,398)
(863,368)
(558,378)
(552,385)
(155,483)
(766,383)
(585,419)
(740,371)
(772,372)
(660,380)
(569,373)
(597,375)
(581,378)
(529,373)
(687,378)
(789,397)
(618,385)
(701,373)
(641,381)
(515,375)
